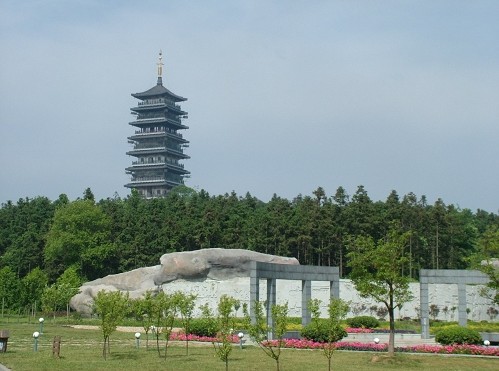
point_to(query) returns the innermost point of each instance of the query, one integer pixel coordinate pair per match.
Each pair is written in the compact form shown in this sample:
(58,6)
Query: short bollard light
(36,334)
(41,320)
(376,341)
(486,343)
(137,339)
(240,336)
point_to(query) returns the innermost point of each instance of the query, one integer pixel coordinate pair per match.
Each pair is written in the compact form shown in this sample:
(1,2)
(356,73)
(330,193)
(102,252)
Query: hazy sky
(283,96)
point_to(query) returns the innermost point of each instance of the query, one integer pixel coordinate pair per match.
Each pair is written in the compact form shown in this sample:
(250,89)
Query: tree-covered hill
(116,235)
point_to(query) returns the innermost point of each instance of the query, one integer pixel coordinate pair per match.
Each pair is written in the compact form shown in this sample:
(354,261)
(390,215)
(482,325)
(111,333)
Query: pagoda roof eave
(158,90)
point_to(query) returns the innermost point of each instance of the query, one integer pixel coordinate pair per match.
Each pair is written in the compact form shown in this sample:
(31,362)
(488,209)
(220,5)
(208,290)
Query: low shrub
(363,322)
(457,335)
(320,334)
(203,327)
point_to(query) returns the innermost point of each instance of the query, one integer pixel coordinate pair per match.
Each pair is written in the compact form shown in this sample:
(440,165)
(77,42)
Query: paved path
(400,339)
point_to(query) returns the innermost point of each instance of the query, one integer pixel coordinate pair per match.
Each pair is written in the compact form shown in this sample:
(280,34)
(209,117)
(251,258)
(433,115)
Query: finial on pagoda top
(160,68)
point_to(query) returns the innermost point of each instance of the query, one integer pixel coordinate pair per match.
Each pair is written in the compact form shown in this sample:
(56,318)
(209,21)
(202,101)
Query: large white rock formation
(211,264)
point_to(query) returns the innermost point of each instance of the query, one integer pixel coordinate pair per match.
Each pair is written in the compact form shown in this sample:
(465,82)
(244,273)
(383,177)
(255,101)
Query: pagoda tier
(157,144)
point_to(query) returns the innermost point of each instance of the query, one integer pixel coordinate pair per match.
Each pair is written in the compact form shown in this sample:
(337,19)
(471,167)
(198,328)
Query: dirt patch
(119,328)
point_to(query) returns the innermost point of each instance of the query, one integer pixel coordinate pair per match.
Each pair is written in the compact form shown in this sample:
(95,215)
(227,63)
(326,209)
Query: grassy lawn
(82,350)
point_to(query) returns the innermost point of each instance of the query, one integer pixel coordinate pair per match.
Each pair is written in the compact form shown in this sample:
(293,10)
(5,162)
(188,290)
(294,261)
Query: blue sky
(283,96)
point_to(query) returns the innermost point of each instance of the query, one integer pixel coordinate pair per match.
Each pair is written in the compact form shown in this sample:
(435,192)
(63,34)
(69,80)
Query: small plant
(186,307)
(258,330)
(319,332)
(363,322)
(328,331)
(453,310)
(203,327)
(225,322)
(358,309)
(434,311)
(111,307)
(457,335)
(492,312)
(382,312)
(446,311)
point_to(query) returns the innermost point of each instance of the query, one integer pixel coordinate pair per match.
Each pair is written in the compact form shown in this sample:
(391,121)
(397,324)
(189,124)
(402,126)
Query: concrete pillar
(424,309)
(254,295)
(461,308)
(334,288)
(306,295)
(271,300)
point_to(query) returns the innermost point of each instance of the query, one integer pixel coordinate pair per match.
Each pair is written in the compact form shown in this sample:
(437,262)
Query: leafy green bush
(320,333)
(203,327)
(457,335)
(363,322)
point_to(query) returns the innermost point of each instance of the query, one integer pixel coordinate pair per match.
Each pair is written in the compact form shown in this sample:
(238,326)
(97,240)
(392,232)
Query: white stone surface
(444,296)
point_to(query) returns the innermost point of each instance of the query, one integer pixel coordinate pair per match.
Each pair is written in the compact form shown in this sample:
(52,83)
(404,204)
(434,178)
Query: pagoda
(158,145)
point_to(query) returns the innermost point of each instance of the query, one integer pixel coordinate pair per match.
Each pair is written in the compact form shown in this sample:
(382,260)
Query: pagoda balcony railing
(156,163)
(153,163)
(159,101)
(139,151)
(147,150)
(148,179)
(153,132)
(156,119)
(142,146)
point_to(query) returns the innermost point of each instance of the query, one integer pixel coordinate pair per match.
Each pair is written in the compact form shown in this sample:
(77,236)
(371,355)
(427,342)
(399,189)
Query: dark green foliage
(321,333)
(457,335)
(10,288)
(203,327)
(116,235)
(363,322)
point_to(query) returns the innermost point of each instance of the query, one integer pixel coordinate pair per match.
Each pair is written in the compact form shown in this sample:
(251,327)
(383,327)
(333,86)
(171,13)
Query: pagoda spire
(160,68)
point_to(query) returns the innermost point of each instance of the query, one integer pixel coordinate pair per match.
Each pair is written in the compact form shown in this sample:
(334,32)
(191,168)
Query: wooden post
(56,347)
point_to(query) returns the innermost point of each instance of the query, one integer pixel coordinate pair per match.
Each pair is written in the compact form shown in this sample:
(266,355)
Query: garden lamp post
(486,343)
(240,336)
(376,340)
(137,339)
(36,334)
(41,320)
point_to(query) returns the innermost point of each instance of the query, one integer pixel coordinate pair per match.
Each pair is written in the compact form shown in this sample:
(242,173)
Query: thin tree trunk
(391,314)
(104,353)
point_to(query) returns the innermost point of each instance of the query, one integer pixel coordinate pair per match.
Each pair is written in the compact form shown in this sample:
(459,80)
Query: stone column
(271,300)
(334,288)
(254,295)
(461,308)
(424,308)
(306,295)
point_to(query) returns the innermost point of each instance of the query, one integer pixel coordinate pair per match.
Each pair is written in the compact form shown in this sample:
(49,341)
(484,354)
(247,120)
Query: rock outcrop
(219,264)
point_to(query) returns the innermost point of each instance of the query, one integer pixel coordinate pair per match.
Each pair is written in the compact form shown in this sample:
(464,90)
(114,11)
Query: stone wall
(443,296)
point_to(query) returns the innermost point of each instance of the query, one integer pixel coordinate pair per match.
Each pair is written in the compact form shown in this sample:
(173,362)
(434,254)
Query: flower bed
(478,350)
(371,347)
(359,330)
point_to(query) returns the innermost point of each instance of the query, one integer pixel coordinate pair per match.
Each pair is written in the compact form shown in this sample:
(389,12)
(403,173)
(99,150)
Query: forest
(42,240)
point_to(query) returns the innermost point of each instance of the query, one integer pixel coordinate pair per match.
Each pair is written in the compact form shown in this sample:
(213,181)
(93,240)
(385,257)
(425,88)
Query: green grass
(82,350)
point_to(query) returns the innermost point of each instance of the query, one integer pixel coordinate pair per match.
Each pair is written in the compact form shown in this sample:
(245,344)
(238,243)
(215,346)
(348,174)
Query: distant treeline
(116,235)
